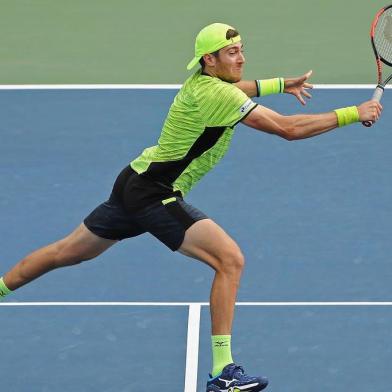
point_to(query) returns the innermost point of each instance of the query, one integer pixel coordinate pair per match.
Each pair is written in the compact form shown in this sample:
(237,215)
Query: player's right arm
(302,126)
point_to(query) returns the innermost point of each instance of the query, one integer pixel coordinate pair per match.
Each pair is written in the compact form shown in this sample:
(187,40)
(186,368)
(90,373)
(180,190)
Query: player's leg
(79,246)
(103,227)
(182,227)
(208,242)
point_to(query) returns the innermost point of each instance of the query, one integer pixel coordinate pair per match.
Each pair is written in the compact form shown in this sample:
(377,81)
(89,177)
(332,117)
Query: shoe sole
(235,389)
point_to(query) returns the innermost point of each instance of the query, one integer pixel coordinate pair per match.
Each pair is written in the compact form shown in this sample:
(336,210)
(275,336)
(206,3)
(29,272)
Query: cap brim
(193,62)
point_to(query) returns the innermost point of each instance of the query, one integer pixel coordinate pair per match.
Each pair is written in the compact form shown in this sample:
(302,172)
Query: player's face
(230,62)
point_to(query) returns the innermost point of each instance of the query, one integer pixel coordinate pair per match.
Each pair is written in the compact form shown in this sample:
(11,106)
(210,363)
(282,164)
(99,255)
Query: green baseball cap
(211,39)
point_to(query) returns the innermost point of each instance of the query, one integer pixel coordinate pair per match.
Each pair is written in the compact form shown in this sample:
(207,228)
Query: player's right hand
(369,111)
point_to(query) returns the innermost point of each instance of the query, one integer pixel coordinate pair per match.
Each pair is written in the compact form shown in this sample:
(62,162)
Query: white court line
(347,86)
(199,304)
(192,348)
(315,303)
(150,86)
(90,86)
(122,303)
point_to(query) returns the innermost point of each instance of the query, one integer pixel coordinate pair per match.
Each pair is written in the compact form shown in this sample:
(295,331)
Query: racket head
(381,38)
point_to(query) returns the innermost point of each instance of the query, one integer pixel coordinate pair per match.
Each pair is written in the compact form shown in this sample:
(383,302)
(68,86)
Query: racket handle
(376,97)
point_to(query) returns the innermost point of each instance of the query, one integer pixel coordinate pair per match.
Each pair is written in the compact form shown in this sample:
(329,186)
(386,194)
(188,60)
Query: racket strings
(383,36)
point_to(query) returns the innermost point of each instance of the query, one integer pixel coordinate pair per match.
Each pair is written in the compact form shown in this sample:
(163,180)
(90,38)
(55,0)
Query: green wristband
(4,290)
(269,86)
(347,115)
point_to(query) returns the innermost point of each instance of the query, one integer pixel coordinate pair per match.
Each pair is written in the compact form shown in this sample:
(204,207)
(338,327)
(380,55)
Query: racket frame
(378,92)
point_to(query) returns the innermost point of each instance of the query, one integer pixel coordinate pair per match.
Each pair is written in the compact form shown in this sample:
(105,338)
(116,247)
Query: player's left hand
(298,87)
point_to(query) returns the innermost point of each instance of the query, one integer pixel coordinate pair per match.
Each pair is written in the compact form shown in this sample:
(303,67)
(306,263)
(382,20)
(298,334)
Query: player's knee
(65,259)
(66,255)
(232,261)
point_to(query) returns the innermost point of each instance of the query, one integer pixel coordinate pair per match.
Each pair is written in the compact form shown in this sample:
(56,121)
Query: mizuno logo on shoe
(221,344)
(228,383)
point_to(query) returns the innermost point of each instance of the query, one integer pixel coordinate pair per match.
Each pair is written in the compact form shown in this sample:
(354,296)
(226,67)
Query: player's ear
(209,59)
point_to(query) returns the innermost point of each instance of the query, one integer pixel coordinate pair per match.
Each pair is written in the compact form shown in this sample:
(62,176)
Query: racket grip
(378,92)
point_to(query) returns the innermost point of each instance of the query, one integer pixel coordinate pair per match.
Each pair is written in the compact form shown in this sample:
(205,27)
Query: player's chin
(236,77)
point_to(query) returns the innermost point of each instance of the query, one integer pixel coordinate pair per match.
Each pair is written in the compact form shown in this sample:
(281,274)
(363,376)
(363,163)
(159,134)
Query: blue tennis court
(312,217)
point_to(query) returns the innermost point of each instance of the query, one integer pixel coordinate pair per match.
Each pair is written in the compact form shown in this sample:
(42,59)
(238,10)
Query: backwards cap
(211,39)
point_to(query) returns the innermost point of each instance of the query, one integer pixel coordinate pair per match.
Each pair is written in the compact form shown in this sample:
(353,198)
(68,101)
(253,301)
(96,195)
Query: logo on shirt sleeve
(245,107)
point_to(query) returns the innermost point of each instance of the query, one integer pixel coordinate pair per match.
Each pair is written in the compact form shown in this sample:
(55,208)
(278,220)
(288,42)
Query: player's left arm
(249,87)
(296,86)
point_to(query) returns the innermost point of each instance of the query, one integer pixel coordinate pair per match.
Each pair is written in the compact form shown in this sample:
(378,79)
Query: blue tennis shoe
(234,379)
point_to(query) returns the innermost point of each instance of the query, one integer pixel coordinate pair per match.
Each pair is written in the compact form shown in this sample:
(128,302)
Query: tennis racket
(381,38)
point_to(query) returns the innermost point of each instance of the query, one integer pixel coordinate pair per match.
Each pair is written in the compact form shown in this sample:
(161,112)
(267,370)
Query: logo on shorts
(246,106)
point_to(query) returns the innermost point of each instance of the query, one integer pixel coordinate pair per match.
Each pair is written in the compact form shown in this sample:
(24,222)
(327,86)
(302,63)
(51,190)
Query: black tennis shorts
(124,215)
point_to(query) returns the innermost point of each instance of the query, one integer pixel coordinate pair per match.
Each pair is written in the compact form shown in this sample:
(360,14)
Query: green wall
(136,41)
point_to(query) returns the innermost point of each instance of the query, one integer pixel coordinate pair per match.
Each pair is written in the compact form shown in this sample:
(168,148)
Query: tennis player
(148,194)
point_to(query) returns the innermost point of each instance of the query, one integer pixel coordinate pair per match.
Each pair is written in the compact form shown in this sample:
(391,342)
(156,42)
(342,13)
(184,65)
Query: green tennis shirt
(196,133)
